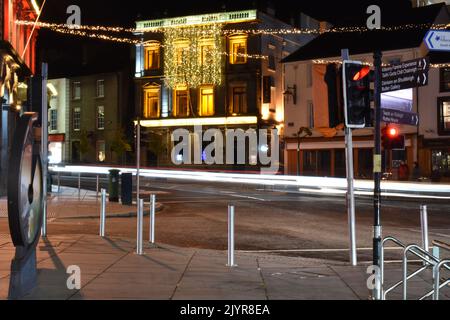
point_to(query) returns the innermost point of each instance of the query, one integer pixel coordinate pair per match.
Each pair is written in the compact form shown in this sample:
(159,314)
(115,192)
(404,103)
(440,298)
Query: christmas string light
(285,31)
(95,35)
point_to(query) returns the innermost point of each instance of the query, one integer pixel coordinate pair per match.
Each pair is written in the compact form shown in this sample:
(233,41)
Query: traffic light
(356,80)
(391,139)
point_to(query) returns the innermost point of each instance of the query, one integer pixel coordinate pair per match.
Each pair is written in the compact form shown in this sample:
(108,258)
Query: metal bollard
(152,218)
(103,214)
(231,237)
(140,223)
(424,223)
(79,186)
(59,182)
(97,186)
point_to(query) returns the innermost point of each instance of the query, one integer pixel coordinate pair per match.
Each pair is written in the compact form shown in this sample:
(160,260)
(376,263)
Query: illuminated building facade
(209,70)
(17,65)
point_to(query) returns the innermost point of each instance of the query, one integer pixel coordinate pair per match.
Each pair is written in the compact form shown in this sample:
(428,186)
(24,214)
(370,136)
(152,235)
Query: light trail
(316,185)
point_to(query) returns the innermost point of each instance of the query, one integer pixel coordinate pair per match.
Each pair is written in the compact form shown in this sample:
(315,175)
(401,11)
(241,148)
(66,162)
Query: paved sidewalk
(111,270)
(68,204)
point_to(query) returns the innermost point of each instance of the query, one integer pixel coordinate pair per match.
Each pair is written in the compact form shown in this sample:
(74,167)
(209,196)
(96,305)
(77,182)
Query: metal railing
(428,259)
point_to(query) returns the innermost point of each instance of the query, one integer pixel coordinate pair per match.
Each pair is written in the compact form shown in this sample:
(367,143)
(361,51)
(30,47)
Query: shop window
(238,100)
(445,80)
(152,102)
(441,162)
(207,101)
(152,56)
(444,116)
(238,49)
(181,102)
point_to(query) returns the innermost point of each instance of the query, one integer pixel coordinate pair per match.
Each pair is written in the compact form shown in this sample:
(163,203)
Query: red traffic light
(362,73)
(393,132)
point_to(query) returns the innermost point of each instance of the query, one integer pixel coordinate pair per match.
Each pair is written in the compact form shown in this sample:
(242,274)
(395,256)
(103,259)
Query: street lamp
(302,133)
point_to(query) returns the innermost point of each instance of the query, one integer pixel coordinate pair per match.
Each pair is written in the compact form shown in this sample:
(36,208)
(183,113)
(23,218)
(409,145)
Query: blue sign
(438,40)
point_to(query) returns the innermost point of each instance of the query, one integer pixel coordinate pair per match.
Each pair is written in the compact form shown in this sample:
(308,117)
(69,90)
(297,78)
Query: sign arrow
(438,40)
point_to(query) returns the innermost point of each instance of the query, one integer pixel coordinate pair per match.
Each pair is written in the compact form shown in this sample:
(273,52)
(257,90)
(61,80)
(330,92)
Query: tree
(120,145)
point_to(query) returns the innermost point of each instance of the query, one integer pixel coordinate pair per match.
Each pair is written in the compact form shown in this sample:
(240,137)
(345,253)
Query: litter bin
(127,189)
(113,187)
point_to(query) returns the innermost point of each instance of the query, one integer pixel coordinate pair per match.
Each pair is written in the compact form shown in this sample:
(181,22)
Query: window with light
(151,102)
(76,90)
(238,49)
(206,51)
(152,56)
(77,119)
(181,102)
(100,88)
(444,116)
(206,101)
(101,118)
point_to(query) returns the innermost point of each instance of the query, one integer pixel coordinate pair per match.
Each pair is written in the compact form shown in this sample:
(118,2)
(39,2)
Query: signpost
(438,40)
(399,117)
(406,75)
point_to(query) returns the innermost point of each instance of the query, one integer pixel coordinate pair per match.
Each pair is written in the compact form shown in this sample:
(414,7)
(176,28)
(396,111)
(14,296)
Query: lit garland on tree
(193,56)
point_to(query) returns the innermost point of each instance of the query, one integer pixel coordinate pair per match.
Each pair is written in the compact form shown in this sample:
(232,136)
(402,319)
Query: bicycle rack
(429,261)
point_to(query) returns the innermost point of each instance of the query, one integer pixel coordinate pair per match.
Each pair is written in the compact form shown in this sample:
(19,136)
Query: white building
(58,120)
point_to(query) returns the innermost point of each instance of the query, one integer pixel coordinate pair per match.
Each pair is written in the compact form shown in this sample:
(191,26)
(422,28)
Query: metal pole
(140,223)
(231,237)
(298,155)
(44,146)
(350,186)
(377,229)
(152,218)
(97,186)
(103,214)
(424,223)
(59,182)
(138,158)
(79,185)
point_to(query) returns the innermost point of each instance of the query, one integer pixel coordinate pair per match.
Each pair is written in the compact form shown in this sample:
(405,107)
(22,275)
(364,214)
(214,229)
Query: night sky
(68,55)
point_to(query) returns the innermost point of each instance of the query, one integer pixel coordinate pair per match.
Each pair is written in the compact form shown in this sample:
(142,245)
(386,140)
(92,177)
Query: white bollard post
(152,218)
(103,214)
(231,237)
(140,223)
(424,223)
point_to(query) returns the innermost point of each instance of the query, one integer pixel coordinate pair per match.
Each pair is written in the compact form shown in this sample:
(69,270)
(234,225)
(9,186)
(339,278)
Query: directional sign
(438,40)
(399,117)
(406,75)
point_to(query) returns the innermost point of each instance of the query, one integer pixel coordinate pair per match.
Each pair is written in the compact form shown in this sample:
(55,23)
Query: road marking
(312,250)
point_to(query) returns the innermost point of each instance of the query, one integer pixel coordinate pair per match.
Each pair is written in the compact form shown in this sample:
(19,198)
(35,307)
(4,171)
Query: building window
(53,120)
(181,102)
(238,100)
(181,51)
(444,116)
(207,101)
(100,88)
(101,151)
(101,118)
(238,49)
(77,119)
(206,52)
(441,162)
(76,90)
(151,102)
(445,80)
(310,114)
(272,63)
(152,56)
